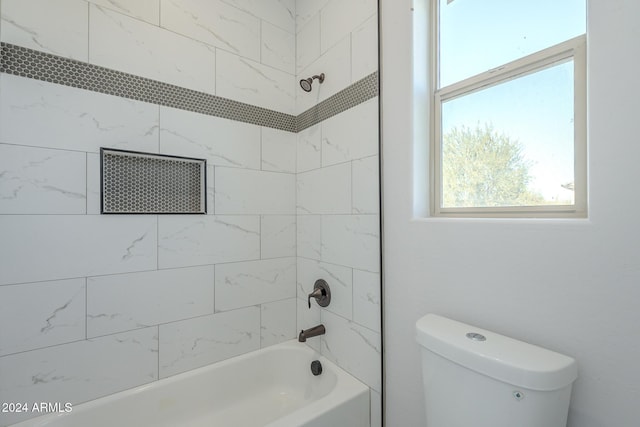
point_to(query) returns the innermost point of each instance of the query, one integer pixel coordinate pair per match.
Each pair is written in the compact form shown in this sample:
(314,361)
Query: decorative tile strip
(24,62)
(33,64)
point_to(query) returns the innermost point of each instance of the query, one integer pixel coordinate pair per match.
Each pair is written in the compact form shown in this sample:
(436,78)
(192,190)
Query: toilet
(476,378)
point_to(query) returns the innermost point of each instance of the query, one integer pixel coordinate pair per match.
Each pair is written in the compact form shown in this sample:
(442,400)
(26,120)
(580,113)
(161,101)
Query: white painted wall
(572,285)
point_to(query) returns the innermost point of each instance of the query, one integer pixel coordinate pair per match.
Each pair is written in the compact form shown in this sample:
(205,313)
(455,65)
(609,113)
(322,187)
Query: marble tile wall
(217,47)
(339,38)
(106,303)
(337,190)
(93,304)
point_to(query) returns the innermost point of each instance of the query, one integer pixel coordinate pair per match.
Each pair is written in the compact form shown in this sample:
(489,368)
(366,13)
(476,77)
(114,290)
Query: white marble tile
(366,299)
(207,239)
(364,49)
(215,23)
(211,189)
(93,184)
(49,247)
(308,318)
(278,322)
(340,17)
(80,371)
(352,240)
(354,348)
(197,342)
(59,27)
(278,150)
(242,191)
(366,187)
(146,10)
(376,408)
(44,114)
(352,134)
(241,284)
(324,191)
(41,181)
(127,44)
(338,278)
(122,302)
(250,82)
(42,314)
(309,237)
(336,65)
(306,10)
(221,141)
(277,12)
(308,43)
(308,155)
(278,48)
(277,236)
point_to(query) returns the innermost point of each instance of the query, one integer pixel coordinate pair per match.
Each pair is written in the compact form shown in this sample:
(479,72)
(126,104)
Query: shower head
(305,84)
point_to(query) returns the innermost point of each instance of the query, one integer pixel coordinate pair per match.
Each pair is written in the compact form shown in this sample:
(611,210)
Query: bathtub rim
(346,389)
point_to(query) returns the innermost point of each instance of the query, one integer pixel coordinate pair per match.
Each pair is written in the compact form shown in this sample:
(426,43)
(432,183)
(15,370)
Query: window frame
(572,49)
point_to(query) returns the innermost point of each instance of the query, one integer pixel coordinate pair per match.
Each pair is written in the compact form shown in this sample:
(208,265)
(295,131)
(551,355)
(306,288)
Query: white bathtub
(272,387)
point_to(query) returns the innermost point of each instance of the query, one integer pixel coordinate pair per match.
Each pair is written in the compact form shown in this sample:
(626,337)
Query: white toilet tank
(476,378)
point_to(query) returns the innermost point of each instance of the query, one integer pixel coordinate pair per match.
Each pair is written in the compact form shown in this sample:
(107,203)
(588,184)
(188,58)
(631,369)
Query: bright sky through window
(478,35)
(536,110)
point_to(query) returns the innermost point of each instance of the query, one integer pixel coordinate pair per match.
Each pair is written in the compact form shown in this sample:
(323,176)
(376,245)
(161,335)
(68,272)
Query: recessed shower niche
(144,183)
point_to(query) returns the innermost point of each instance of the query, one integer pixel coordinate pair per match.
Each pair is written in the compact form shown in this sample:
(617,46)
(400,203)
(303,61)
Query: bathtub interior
(256,389)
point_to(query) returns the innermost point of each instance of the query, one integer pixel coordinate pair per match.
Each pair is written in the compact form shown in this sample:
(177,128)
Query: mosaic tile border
(31,63)
(25,62)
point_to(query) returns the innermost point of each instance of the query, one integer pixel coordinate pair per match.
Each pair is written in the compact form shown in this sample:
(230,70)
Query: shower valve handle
(321,293)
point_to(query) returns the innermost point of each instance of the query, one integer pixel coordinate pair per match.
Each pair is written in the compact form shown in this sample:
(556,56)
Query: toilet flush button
(476,337)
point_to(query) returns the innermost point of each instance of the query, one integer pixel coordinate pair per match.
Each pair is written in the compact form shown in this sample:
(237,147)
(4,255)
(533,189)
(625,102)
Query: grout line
(86,308)
(159,129)
(319,29)
(157,243)
(158,355)
(86,183)
(88,31)
(213,282)
(260,237)
(260,326)
(213,179)
(321,130)
(353,210)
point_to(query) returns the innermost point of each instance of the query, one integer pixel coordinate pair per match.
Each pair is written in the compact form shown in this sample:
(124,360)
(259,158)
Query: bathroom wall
(92,304)
(568,285)
(337,202)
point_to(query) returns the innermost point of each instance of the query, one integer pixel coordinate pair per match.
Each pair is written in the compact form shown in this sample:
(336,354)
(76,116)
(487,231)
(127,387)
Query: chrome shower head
(305,84)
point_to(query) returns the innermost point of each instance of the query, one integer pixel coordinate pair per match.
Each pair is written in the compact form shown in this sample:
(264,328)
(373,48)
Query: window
(510,108)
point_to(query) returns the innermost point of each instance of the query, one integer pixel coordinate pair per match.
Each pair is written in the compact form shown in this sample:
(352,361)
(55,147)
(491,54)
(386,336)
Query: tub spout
(311,332)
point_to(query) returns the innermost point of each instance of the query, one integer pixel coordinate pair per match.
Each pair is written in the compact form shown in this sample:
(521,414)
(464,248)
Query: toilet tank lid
(503,358)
